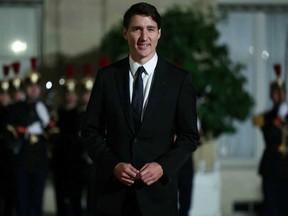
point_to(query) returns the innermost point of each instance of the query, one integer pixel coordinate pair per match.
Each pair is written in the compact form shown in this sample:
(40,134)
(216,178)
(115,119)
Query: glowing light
(49,85)
(18,46)
(265,54)
(61,81)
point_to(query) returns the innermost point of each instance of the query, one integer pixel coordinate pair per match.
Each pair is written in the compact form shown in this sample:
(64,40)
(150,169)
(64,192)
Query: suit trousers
(130,205)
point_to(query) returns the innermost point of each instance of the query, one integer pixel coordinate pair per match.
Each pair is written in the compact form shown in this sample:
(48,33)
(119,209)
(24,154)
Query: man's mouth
(143,46)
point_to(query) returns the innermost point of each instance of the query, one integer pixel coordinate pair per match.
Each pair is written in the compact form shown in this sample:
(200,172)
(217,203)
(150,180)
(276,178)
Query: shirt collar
(149,66)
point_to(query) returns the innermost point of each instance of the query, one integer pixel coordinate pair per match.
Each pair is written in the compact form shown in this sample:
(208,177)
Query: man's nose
(143,35)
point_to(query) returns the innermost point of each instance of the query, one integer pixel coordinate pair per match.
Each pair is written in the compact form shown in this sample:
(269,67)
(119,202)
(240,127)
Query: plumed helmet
(87,81)
(16,81)
(4,83)
(33,77)
(70,81)
(277,84)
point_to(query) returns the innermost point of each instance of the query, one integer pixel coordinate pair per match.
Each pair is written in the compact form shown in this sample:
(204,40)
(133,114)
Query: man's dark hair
(142,8)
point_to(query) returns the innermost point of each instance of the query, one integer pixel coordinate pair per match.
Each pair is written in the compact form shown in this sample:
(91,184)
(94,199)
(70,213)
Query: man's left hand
(150,173)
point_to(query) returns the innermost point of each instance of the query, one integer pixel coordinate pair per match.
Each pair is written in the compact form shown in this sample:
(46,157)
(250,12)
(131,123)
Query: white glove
(43,113)
(35,128)
(283,110)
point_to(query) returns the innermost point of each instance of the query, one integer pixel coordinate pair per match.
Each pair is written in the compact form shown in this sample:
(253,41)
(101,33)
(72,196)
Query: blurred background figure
(30,118)
(6,186)
(67,152)
(17,94)
(89,180)
(186,182)
(5,98)
(274,163)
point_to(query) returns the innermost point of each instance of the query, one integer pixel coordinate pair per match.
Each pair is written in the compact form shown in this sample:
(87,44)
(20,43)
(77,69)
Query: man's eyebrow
(141,27)
(136,27)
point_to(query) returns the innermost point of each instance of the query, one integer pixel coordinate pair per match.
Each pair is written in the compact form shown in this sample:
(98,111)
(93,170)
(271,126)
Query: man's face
(278,96)
(71,98)
(19,95)
(142,36)
(4,99)
(33,91)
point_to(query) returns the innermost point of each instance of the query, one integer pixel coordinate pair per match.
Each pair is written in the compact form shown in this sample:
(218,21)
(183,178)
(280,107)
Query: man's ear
(159,35)
(124,33)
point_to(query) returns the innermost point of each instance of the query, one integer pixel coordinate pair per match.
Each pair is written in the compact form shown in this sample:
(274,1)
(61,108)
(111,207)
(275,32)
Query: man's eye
(135,29)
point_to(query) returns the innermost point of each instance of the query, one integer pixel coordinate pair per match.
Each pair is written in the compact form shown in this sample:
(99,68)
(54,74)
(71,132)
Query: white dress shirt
(147,77)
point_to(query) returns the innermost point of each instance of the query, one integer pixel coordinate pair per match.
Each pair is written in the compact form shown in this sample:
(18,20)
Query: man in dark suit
(133,146)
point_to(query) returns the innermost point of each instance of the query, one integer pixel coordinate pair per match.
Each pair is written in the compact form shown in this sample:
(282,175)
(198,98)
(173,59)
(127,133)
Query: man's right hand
(125,173)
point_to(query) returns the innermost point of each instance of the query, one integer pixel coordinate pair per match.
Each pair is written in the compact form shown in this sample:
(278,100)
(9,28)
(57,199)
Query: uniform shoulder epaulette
(258,120)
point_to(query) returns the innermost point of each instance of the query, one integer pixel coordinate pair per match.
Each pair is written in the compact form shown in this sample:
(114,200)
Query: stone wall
(72,27)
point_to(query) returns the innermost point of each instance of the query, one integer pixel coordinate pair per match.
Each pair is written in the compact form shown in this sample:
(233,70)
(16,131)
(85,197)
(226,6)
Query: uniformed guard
(273,167)
(90,180)
(5,153)
(67,152)
(5,98)
(30,118)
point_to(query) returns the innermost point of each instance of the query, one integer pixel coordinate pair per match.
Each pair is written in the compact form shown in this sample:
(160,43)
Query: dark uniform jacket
(274,164)
(33,155)
(3,135)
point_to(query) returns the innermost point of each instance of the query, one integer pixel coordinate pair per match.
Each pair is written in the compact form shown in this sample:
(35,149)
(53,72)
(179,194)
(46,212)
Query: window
(257,37)
(21,34)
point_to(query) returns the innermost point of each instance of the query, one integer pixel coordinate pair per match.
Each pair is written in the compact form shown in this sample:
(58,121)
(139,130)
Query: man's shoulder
(260,118)
(110,70)
(173,68)
(118,65)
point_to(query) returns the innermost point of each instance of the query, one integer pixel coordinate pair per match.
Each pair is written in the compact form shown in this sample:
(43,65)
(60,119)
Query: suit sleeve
(187,136)
(93,133)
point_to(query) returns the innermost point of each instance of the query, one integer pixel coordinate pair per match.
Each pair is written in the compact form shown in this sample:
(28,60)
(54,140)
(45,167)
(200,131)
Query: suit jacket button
(135,141)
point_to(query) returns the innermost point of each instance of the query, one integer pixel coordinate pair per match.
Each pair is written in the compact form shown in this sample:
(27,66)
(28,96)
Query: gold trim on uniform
(33,139)
(258,120)
(283,146)
(12,130)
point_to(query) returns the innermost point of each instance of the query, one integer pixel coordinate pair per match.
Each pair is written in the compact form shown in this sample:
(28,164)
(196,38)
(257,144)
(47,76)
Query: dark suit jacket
(110,137)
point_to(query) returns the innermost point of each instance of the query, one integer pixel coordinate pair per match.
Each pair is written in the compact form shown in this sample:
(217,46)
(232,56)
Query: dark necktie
(137,97)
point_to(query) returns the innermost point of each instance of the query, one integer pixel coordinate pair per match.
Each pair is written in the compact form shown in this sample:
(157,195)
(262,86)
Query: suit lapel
(122,77)
(157,89)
